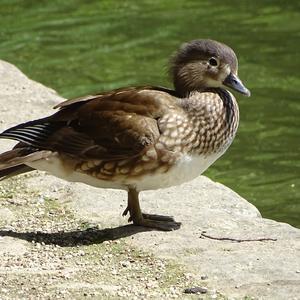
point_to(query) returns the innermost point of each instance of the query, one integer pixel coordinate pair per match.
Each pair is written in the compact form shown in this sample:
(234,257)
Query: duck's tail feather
(14,171)
(14,162)
(32,133)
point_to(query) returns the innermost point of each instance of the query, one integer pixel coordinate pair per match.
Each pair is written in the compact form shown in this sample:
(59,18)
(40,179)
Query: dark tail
(14,171)
(31,136)
(12,161)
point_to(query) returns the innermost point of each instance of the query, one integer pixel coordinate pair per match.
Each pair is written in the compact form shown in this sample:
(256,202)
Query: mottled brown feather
(114,125)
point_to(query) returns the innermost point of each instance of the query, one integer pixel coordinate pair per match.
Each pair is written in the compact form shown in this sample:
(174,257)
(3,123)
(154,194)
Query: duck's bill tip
(233,82)
(247,93)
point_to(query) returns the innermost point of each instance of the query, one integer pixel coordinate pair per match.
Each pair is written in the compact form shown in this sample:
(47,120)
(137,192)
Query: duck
(138,138)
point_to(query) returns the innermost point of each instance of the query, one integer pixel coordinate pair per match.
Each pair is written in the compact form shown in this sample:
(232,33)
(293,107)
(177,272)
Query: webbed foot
(165,223)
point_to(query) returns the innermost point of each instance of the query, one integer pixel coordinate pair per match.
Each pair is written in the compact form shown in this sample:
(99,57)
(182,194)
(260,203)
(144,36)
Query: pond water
(78,47)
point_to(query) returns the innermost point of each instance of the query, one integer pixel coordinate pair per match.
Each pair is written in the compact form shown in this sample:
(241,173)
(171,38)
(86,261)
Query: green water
(78,47)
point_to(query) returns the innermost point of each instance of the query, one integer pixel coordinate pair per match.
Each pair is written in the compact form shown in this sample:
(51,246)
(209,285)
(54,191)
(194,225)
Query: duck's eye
(213,62)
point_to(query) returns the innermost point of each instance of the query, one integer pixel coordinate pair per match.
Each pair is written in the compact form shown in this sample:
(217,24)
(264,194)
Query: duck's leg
(154,221)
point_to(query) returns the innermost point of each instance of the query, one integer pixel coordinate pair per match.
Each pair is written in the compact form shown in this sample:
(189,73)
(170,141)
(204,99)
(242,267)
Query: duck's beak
(236,84)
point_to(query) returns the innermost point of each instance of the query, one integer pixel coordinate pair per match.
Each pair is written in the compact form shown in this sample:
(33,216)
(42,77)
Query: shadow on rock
(78,237)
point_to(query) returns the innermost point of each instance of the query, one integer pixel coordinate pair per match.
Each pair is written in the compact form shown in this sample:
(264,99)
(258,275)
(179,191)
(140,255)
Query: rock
(6,215)
(203,205)
(12,246)
(264,270)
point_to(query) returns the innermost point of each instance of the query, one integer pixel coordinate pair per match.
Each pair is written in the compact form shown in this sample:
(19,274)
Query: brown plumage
(138,138)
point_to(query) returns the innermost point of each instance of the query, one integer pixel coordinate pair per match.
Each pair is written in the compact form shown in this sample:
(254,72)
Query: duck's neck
(212,115)
(185,93)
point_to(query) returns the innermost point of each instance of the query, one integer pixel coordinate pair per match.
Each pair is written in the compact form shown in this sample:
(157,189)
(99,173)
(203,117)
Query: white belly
(54,166)
(186,169)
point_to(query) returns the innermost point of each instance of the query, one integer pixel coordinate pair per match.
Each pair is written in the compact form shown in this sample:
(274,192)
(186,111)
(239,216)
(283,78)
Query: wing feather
(116,125)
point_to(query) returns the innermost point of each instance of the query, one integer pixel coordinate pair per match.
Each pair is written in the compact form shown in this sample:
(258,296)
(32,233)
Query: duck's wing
(116,125)
(86,98)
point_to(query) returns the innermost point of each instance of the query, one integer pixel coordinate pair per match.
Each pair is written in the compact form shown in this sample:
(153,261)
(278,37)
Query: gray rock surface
(259,269)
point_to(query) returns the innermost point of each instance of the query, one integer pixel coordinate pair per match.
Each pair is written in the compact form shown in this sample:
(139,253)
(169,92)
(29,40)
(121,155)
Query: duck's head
(202,64)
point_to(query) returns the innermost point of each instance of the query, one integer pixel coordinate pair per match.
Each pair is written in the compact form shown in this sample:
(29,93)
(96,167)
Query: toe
(158,217)
(160,225)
